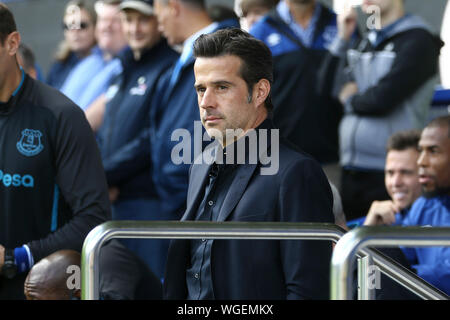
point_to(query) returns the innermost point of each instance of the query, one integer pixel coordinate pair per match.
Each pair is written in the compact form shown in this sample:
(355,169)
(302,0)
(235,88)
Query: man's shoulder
(273,32)
(293,158)
(425,209)
(292,152)
(44,96)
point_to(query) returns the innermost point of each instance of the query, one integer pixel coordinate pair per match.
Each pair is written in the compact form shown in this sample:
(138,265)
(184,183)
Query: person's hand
(113,194)
(381,213)
(349,89)
(2,256)
(347,22)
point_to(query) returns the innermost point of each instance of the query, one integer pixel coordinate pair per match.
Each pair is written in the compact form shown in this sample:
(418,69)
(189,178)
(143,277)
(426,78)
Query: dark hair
(7,23)
(248,5)
(403,140)
(255,55)
(27,55)
(440,122)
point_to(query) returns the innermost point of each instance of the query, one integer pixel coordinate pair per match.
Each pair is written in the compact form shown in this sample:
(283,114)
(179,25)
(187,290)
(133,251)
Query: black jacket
(262,269)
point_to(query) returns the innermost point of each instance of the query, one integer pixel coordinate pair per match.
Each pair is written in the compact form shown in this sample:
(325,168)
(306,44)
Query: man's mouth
(424,179)
(212,119)
(399,196)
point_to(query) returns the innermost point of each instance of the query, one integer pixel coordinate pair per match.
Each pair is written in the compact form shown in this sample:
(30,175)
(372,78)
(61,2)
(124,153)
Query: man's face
(79,31)
(434,159)
(108,30)
(402,177)
(141,31)
(223,95)
(167,22)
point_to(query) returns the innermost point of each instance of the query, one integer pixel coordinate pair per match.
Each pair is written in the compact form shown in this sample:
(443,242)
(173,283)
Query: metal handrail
(360,238)
(191,230)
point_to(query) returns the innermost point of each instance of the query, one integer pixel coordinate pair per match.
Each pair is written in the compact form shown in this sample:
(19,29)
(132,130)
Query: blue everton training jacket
(431,263)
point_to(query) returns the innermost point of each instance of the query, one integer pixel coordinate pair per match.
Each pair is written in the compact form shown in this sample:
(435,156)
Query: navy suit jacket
(262,269)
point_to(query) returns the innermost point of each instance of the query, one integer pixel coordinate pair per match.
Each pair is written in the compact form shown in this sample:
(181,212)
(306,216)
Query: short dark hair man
(401,180)
(433,208)
(52,186)
(233,82)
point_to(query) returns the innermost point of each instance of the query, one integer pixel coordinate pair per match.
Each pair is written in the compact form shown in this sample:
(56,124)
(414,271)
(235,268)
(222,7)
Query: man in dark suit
(233,73)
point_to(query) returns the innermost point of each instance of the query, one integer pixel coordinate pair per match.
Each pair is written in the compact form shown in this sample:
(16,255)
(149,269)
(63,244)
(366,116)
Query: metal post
(360,238)
(365,292)
(191,230)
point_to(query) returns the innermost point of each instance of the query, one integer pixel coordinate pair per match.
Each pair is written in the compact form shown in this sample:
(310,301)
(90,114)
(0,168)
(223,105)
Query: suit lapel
(237,188)
(198,181)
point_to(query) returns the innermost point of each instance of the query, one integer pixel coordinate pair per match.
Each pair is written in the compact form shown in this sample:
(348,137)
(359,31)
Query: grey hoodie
(396,78)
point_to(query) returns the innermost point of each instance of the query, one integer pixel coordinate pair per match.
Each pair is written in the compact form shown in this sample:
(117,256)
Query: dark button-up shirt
(221,176)
(198,276)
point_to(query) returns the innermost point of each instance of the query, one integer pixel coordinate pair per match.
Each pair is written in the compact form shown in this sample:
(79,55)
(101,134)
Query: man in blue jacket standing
(175,106)
(124,134)
(298,33)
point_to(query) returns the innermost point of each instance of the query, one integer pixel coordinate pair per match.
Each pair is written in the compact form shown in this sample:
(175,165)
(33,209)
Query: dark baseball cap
(143,6)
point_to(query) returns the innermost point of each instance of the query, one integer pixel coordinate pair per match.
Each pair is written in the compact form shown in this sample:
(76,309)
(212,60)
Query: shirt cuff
(23,258)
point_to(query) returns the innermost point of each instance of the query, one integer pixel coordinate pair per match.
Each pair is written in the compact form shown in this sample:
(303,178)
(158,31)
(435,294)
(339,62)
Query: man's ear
(261,91)
(12,43)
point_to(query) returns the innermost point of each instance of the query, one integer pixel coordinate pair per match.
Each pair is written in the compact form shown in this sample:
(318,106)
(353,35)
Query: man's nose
(208,99)
(397,179)
(423,159)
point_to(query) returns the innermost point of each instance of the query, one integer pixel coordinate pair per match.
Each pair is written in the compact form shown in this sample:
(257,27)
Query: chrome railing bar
(360,238)
(191,230)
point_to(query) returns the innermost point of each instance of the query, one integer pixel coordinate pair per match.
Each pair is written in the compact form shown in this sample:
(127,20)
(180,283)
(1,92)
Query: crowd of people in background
(354,99)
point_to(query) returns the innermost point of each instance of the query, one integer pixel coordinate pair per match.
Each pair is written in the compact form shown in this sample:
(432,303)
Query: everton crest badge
(30,144)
